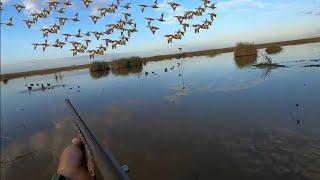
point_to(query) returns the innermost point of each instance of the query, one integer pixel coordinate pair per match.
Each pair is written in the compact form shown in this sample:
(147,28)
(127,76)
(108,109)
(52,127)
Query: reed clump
(127,63)
(274,49)
(97,66)
(245,49)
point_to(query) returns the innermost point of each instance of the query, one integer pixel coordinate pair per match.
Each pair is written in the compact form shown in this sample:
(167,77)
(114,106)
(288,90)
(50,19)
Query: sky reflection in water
(211,118)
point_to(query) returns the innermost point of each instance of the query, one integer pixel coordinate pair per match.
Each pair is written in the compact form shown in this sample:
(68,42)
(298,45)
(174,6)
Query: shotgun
(100,161)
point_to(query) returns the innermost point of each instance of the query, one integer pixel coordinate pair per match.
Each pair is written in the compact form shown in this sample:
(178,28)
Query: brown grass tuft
(274,49)
(99,66)
(245,49)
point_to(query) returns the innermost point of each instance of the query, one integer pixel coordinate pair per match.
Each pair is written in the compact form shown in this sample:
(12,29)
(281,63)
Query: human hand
(72,163)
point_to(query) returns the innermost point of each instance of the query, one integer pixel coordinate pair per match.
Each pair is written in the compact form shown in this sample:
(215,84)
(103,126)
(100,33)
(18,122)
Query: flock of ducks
(125,25)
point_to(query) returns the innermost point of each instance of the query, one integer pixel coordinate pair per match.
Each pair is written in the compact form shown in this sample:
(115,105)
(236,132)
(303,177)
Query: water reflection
(244,61)
(222,124)
(127,71)
(99,74)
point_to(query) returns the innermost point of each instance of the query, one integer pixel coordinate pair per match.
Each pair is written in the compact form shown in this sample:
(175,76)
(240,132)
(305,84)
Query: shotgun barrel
(103,163)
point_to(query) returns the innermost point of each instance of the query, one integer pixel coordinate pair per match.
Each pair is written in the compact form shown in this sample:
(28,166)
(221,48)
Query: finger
(77,142)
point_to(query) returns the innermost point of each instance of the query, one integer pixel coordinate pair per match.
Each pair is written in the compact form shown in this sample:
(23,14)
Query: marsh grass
(273,49)
(99,66)
(245,49)
(127,63)
(125,66)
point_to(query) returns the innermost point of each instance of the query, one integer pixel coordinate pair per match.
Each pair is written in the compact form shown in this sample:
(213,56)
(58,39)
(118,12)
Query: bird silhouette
(10,22)
(87,41)
(53,4)
(62,20)
(75,18)
(185,26)
(66,37)
(86,2)
(149,20)
(125,26)
(161,19)
(212,16)
(61,10)
(68,3)
(29,22)
(94,19)
(153,29)
(174,5)
(127,6)
(19,8)
(142,7)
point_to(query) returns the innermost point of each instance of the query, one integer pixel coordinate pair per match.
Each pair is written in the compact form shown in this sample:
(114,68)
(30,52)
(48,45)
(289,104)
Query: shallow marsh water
(211,118)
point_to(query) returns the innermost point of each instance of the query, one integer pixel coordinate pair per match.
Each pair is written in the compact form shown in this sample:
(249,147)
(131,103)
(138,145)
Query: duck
(87,41)
(75,18)
(10,22)
(86,2)
(153,29)
(107,41)
(149,20)
(62,20)
(197,28)
(87,34)
(53,4)
(103,11)
(185,25)
(169,38)
(126,16)
(29,22)
(213,6)
(180,18)
(78,35)
(142,7)
(66,37)
(19,8)
(206,3)
(155,5)
(126,6)
(94,19)
(61,10)
(161,19)
(174,5)
(68,3)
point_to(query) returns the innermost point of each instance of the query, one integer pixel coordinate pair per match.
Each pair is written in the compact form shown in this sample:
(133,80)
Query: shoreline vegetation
(137,62)
(273,50)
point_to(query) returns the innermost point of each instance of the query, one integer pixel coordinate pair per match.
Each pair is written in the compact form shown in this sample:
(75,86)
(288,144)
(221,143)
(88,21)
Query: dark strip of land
(210,52)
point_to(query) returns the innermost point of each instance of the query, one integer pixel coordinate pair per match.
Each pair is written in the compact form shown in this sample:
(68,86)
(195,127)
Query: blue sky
(238,20)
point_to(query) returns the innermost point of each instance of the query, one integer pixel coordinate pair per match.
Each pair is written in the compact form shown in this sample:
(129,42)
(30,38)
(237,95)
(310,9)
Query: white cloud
(4,1)
(33,5)
(169,14)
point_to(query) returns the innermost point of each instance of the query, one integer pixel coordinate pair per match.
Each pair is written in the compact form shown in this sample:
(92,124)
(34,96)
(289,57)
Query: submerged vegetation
(99,66)
(245,49)
(273,49)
